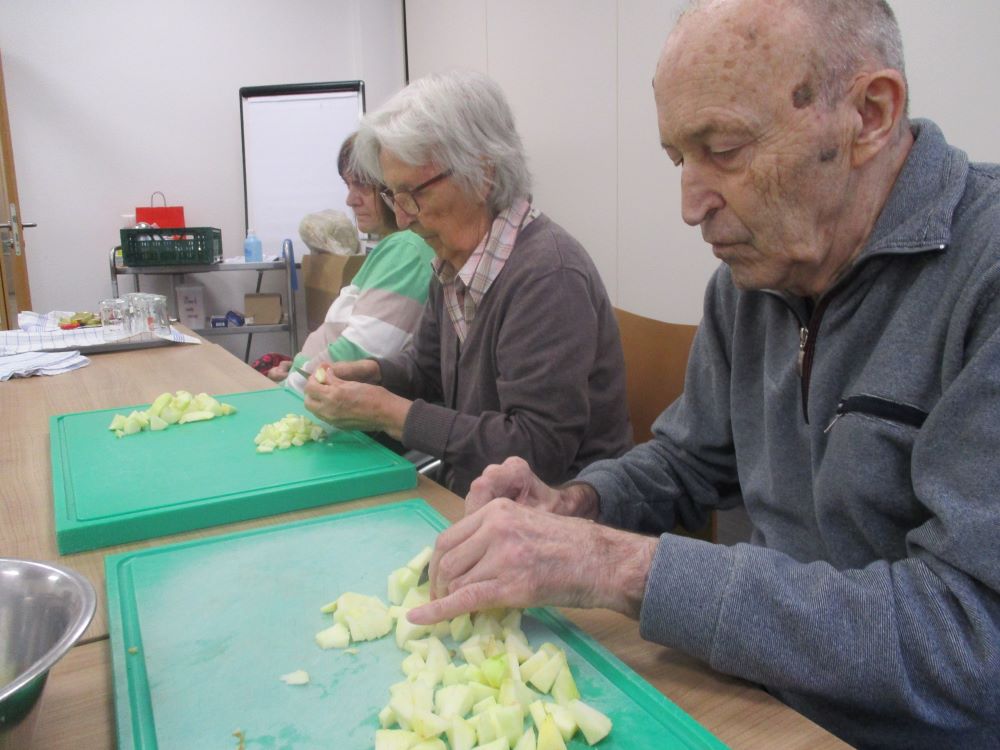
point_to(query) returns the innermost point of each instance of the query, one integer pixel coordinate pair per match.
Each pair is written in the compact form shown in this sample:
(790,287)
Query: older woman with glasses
(517,351)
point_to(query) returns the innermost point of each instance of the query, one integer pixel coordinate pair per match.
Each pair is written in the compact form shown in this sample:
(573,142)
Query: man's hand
(354,405)
(514,479)
(510,555)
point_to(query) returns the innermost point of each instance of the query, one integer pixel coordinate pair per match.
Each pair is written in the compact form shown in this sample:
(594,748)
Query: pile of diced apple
(169,409)
(292,429)
(479,701)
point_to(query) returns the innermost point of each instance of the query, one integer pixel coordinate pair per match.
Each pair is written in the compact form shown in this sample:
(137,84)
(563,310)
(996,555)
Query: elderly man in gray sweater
(844,387)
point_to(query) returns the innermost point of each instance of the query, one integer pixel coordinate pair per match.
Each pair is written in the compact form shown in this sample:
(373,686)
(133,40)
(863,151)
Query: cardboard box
(191,305)
(323,276)
(262,309)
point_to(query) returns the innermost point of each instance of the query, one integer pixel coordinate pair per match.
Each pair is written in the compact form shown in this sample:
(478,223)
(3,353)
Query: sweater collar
(918,214)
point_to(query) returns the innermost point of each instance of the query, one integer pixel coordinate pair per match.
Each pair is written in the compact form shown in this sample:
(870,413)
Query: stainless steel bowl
(44,610)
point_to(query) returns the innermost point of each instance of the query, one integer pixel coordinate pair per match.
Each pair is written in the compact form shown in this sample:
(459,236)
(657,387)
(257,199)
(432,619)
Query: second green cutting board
(111,490)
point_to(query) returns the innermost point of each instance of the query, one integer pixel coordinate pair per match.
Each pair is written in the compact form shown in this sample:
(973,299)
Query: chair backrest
(656,356)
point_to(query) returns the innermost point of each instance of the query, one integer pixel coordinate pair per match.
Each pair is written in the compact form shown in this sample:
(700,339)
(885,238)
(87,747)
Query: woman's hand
(355,404)
(280,371)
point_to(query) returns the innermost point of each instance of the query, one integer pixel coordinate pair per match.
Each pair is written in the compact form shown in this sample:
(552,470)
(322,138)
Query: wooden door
(15,294)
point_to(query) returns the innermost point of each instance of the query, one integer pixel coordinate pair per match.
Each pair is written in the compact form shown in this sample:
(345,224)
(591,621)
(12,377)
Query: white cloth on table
(40,363)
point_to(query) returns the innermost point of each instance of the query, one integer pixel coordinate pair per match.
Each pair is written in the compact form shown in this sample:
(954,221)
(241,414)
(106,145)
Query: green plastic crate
(171,246)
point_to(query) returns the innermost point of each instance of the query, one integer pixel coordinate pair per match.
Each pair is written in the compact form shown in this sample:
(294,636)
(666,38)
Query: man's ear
(879,100)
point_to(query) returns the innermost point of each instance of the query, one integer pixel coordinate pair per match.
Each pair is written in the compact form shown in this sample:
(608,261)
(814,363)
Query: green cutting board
(110,490)
(201,632)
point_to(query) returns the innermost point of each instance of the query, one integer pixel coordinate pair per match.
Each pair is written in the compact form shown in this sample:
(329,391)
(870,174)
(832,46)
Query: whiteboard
(291,138)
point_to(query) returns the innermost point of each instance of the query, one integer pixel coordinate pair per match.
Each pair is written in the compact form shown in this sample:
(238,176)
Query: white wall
(112,99)
(578,76)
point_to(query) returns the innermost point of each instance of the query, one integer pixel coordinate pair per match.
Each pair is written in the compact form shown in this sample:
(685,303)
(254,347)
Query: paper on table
(40,363)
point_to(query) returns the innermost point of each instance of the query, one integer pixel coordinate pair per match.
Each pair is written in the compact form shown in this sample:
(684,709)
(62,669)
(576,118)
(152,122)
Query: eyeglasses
(405,200)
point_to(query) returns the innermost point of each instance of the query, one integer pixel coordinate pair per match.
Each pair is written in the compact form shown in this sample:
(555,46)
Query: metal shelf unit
(286,264)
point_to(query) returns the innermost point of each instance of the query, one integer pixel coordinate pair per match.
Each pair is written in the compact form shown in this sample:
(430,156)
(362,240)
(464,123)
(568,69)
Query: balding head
(787,157)
(844,37)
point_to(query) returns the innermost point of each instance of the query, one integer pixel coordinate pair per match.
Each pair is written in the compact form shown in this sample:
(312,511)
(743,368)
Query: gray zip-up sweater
(868,596)
(540,374)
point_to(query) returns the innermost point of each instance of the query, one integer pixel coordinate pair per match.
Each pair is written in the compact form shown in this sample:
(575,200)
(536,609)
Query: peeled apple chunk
(298,677)
(594,725)
(169,409)
(366,617)
(292,429)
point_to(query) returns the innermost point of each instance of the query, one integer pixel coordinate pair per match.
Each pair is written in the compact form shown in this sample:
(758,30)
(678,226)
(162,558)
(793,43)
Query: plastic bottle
(252,250)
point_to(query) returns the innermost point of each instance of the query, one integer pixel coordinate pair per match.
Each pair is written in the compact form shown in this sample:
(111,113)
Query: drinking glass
(114,317)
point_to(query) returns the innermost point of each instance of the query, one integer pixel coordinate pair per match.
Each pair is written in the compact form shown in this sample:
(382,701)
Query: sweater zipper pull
(803,338)
(841,411)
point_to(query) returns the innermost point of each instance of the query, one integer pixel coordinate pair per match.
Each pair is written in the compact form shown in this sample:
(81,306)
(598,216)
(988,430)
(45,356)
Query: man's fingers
(470,598)
(453,542)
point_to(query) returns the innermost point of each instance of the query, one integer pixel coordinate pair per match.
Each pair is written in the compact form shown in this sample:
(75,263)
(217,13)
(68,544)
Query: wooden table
(77,709)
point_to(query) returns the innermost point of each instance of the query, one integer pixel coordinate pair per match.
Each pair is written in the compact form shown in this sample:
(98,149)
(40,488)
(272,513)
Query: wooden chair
(656,355)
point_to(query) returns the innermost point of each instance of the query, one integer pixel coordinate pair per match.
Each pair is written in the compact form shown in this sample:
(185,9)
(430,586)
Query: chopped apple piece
(549,737)
(545,676)
(117,422)
(386,717)
(505,722)
(563,718)
(156,424)
(159,403)
(594,725)
(428,724)
(480,692)
(532,665)
(432,744)
(401,580)
(538,713)
(421,560)
(453,701)
(460,627)
(298,677)
(337,636)
(394,739)
(498,744)
(461,735)
(527,740)
(413,665)
(365,616)
(564,688)
(517,644)
(406,630)
(494,670)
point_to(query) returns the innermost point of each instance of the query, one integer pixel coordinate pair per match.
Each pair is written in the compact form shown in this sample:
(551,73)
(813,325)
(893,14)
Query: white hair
(458,120)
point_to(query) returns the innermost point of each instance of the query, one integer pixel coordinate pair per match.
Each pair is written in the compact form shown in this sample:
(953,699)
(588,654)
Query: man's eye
(726,155)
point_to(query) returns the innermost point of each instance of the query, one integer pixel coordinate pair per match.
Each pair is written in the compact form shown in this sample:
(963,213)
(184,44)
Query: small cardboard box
(191,305)
(262,309)
(324,275)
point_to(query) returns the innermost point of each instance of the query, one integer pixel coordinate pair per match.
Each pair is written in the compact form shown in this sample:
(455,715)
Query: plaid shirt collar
(464,290)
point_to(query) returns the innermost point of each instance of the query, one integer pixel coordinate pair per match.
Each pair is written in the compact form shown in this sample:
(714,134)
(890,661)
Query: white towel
(40,363)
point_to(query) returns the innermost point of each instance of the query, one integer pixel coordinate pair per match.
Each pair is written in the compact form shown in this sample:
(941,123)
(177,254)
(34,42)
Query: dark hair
(386,214)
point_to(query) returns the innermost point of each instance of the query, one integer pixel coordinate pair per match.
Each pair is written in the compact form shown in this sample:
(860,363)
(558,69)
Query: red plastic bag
(165,217)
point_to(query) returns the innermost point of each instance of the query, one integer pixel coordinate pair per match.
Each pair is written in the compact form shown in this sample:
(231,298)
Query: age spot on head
(828,154)
(803,95)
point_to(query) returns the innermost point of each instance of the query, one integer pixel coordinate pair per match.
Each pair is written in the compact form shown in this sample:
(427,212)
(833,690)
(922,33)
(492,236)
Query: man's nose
(699,197)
